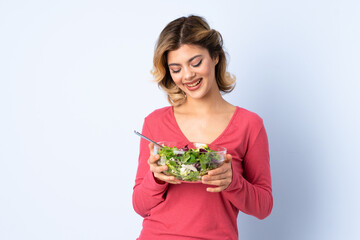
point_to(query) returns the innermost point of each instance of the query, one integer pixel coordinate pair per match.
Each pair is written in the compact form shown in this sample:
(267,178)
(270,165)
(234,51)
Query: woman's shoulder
(159,113)
(249,117)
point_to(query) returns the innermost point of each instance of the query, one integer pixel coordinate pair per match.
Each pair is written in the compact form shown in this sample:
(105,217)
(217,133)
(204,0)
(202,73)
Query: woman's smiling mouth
(193,85)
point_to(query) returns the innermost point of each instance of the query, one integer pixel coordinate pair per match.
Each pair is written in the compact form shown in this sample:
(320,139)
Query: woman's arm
(251,192)
(147,193)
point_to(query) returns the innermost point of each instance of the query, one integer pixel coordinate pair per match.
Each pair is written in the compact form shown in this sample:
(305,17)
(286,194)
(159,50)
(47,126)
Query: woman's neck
(207,105)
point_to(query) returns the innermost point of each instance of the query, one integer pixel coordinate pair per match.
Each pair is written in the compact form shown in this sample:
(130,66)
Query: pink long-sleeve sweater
(187,210)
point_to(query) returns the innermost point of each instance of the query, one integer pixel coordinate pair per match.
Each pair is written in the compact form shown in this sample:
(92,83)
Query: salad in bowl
(191,161)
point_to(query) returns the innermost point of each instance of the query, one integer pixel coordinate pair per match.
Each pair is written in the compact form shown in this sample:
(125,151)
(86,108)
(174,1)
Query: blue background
(75,82)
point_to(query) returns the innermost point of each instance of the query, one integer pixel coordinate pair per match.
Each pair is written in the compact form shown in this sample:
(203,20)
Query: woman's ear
(216,60)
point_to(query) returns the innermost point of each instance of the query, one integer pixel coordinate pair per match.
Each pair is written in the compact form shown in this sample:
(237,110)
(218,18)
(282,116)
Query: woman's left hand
(221,176)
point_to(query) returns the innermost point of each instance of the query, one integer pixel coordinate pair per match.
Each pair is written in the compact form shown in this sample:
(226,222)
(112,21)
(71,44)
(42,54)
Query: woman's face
(193,70)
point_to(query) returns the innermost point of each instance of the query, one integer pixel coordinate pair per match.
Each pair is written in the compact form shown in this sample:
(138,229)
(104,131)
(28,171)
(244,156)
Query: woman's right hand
(157,170)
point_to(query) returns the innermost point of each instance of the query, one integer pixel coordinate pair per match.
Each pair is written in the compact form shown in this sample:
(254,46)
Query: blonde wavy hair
(192,30)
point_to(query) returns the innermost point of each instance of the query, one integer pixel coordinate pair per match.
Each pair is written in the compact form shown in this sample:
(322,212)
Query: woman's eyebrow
(177,64)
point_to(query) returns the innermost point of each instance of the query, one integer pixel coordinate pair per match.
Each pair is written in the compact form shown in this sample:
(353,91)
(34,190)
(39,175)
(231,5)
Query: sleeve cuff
(236,183)
(151,185)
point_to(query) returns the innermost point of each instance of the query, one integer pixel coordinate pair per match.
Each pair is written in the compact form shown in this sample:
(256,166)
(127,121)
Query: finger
(158,169)
(224,183)
(166,178)
(174,182)
(214,190)
(154,158)
(228,158)
(216,177)
(220,170)
(219,182)
(151,147)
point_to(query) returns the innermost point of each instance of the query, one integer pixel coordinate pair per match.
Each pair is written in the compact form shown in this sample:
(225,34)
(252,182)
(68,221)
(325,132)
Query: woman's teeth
(194,84)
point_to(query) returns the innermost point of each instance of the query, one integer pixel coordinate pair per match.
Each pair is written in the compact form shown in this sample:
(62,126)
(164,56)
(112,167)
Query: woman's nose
(189,74)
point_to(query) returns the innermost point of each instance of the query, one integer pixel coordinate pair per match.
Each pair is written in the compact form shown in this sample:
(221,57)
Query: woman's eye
(198,64)
(175,71)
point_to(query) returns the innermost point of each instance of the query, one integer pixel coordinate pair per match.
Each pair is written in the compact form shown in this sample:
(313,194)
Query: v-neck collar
(217,138)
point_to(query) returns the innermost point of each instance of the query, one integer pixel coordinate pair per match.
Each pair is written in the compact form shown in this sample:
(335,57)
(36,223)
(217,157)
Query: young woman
(190,65)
